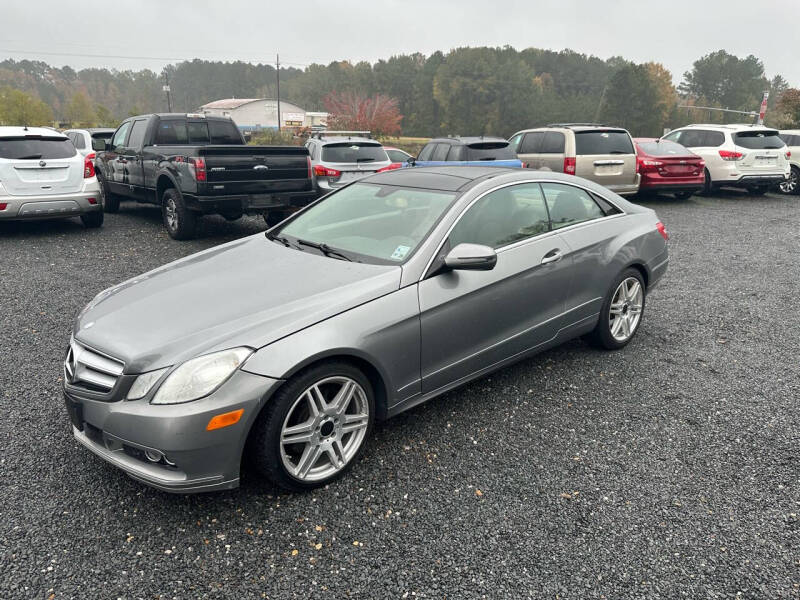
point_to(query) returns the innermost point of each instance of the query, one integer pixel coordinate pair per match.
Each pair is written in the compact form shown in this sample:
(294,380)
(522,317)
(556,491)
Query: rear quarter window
(758,140)
(441,152)
(32,148)
(603,142)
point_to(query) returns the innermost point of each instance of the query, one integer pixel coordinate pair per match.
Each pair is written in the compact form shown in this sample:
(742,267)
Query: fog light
(153,455)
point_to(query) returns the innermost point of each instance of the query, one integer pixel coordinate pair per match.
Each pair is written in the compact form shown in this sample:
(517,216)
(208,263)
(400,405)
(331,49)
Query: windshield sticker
(400,252)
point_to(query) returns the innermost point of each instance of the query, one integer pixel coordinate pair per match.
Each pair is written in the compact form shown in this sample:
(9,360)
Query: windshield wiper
(325,249)
(358,160)
(29,156)
(279,238)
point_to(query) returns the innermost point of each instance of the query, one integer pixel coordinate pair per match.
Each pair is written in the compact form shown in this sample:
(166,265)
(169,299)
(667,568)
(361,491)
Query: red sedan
(668,167)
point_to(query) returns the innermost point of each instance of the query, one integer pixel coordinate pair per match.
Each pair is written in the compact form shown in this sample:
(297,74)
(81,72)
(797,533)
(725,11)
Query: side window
(441,152)
(713,138)
(553,143)
(692,138)
(569,205)
(532,142)
(503,217)
(122,133)
(606,206)
(426,152)
(137,134)
(79,141)
(456,153)
(513,143)
(675,136)
(172,132)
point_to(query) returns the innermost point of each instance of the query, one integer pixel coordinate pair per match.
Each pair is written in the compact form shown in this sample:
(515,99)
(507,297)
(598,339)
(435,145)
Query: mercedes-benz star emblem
(70,365)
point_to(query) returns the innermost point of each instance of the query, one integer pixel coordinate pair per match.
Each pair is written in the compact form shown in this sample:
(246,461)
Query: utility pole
(278,75)
(167,90)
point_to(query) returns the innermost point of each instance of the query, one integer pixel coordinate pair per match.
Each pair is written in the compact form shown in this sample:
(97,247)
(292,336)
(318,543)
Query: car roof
(344,138)
(19,131)
(467,140)
(573,127)
(728,126)
(444,178)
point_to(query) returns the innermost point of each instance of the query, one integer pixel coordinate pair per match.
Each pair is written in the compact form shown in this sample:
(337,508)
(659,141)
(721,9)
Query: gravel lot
(669,469)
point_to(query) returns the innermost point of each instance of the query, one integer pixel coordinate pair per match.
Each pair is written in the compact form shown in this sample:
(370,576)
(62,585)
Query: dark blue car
(472,151)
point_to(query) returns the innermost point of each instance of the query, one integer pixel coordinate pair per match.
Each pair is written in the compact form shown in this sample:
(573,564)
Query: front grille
(88,369)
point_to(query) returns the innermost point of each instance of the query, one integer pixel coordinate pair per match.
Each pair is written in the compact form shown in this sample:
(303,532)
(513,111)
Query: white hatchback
(747,156)
(43,176)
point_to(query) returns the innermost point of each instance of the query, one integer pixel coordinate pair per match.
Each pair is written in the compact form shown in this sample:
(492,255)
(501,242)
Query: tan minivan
(602,154)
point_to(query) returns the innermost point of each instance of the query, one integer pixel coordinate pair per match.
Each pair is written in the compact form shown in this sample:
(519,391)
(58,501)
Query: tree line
(466,91)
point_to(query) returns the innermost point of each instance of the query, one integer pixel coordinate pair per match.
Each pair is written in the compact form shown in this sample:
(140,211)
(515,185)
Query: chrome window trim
(523,241)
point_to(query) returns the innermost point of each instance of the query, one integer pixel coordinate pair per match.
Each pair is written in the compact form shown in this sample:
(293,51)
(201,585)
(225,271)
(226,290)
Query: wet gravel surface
(666,470)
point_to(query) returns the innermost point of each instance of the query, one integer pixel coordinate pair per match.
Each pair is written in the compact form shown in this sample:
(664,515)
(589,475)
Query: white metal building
(260,113)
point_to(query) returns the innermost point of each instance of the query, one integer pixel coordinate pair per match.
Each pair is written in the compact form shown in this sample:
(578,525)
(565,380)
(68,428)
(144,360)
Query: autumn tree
(789,107)
(352,110)
(19,108)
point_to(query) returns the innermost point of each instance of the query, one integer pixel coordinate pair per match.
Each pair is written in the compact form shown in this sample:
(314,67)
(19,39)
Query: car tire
(708,185)
(109,200)
(683,195)
(791,185)
(180,222)
(92,220)
(758,190)
(625,303)
(330,450)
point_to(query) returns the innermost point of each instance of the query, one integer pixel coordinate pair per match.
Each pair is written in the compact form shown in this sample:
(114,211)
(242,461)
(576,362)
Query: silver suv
(340,157)
(42,176)
(602,154)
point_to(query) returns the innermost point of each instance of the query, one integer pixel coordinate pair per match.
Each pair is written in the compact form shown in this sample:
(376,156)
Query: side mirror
(99,144)
(471,257)
(410,161)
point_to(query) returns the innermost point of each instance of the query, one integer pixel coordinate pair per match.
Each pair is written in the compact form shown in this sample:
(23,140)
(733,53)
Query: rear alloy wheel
(791,185)
(621,313)
(181,223)
(109,200)
(314,427)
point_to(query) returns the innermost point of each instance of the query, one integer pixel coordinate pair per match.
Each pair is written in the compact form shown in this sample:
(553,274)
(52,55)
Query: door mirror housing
(410,161)
(99,144)
(471,257)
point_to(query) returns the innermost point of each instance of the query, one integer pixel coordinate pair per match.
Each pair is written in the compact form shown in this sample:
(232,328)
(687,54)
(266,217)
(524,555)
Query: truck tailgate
(255,169)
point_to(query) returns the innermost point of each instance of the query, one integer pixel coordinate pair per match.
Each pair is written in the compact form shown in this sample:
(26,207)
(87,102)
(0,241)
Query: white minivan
(43,176)
(753,157)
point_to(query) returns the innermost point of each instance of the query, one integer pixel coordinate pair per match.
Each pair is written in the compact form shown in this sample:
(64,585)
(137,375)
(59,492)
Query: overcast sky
(135,34)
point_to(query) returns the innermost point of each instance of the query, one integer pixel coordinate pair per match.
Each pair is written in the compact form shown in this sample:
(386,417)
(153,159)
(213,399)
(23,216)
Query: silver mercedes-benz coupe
(286,346)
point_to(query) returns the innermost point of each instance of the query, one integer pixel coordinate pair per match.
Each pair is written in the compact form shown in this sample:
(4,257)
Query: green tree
(724,80)
(633,101)
(19,108)
(104,117)
(79,111)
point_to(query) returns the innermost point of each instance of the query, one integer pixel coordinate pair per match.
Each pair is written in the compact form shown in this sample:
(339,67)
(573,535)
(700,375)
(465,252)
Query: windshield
(376,223)
(759,140)
(350,152)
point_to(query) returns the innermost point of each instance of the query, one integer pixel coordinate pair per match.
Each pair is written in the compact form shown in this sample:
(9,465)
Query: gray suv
(340,157)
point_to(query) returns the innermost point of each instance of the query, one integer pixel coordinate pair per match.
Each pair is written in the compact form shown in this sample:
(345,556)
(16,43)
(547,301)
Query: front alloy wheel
(314,427)
(324,429)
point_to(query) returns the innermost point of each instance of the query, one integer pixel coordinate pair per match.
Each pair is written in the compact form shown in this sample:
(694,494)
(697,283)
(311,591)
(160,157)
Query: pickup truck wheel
(109,201)
(273,217)
(231,216)
(92,220)
(181,223)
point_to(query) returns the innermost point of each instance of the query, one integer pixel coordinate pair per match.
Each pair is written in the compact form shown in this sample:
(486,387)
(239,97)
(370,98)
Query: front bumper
(121,431)
(53,206)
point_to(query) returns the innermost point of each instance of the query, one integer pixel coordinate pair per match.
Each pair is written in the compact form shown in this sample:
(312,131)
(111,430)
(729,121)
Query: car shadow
(44,228)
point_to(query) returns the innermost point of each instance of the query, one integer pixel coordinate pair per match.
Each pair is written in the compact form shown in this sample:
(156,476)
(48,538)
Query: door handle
(603,163)
(552,257)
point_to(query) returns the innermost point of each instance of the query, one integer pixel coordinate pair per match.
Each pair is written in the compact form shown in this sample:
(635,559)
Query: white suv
(747,156)
(42,176)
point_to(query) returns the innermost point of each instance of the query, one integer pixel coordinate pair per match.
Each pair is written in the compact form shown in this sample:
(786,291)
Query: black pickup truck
(193,165)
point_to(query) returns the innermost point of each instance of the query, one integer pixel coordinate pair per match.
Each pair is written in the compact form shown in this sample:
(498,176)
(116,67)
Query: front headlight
(144,383)
(200,376)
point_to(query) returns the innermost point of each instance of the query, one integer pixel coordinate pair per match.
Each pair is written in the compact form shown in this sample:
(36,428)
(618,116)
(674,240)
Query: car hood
(250,292)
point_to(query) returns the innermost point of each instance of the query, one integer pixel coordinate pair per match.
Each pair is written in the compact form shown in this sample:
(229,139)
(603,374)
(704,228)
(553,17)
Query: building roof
(233,102)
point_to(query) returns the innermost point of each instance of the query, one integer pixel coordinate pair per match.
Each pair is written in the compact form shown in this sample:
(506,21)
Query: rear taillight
(92,200)
(569,165)
(788,154)
(391,167)
(321,171)
(198,167)
(88,167)
(662,230)
(644,165)
(524,165)
(730,155)
(3,205)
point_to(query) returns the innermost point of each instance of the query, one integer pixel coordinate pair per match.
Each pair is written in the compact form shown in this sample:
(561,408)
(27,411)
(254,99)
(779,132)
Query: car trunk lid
(762,151)
(255,169)
(605,156)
